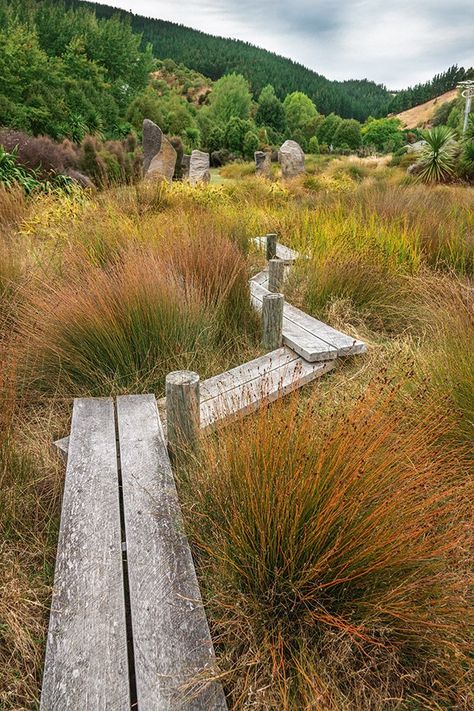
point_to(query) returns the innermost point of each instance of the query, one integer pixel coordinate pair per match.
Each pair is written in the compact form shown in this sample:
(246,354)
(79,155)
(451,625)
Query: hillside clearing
(421,115)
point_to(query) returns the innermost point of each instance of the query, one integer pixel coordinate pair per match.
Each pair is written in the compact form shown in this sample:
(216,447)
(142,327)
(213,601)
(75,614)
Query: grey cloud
(395,43)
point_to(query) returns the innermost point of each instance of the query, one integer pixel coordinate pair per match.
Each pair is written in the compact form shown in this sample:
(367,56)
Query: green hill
(216,56)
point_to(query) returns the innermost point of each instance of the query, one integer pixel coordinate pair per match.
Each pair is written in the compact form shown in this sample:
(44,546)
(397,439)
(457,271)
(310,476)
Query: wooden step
(242,389)
(312,339)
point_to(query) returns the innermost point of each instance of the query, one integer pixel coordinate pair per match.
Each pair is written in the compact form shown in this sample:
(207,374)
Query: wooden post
(271,246)
(276,269)
(272,314)
(182,410)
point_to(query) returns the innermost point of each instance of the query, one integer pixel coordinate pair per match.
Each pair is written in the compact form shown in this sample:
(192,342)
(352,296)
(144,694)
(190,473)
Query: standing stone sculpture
(185,163)
(291,159)
(199,168)
(263,163)
(159,156)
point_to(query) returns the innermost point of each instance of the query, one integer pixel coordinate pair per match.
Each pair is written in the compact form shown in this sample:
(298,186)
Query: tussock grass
(123,328)
(326,545)
(330,531)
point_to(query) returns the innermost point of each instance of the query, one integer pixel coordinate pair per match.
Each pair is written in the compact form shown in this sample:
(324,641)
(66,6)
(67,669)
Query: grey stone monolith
(159,156)
(291,159)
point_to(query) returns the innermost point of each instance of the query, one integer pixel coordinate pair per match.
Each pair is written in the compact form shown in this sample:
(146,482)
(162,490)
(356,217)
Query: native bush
(438,158)
(125,326)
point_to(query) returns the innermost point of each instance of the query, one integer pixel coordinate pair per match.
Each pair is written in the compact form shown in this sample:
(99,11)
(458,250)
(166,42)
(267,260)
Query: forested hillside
(216,56)
(440,84)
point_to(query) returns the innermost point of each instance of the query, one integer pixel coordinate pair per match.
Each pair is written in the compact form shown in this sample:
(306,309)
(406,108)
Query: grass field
(332,531)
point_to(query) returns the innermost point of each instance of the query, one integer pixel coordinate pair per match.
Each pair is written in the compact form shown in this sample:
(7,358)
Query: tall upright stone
(199,168)
(291,159)
(263,163)
(159,156)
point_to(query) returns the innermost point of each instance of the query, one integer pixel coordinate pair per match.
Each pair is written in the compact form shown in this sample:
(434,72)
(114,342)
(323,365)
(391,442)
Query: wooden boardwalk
(310,350)
(312,339)
(127,623)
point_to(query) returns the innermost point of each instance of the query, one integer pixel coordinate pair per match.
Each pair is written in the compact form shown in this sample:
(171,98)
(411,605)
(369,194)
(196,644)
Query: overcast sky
(397,43)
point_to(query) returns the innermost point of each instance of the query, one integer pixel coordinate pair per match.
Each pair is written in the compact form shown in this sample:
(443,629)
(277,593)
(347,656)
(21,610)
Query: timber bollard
(182,410)
(276,271)
(272,316)
(271,244)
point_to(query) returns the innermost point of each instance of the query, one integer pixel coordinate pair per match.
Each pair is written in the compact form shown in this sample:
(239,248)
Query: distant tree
(270,111)
(313,146)
(299,110)
(385,134)
(146,105)
(216,139)
(230,98)
(328,128)
(250,144)
(348,133)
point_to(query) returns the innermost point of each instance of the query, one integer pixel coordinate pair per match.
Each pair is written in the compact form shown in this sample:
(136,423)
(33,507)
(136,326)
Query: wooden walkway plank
(86,665)
(346,345)
(286,254)
(280,372)
(171,637)
(304,342)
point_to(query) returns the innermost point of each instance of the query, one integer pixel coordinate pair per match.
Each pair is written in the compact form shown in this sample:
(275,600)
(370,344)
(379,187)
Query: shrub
(466,163)
(438,159)
(348,134)
(250,144)
(39,154)
(313,145)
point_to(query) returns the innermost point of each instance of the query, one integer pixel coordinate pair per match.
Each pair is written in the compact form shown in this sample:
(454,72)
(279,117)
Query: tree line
(420,93)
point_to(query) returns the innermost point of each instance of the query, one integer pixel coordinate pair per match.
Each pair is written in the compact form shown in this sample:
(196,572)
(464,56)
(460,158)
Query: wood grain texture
(86,665)
(171,638)
(346,345)
(276,273)
(303,342)
(182,408)
(272,321)
(243,390)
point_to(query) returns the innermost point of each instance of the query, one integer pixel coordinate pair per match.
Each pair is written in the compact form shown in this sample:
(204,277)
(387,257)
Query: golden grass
(106,293)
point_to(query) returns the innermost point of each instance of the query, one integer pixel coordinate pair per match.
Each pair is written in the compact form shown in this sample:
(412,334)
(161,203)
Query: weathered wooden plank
(273,382)
(254,369)
(284,253)
(171,639)
(305,343)
(261,278)
(346,345)
(86,666)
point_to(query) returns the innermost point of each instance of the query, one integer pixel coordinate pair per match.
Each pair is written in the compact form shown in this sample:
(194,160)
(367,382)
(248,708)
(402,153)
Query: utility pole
(467,91)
